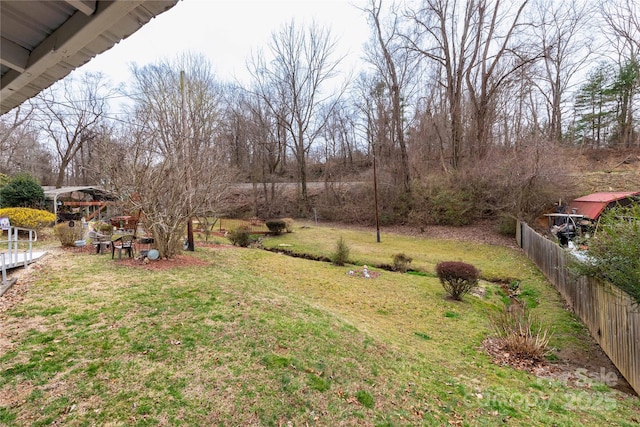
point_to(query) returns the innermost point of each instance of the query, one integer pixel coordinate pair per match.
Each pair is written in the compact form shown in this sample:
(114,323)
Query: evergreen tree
(624,89)
(595,107)
(22,191)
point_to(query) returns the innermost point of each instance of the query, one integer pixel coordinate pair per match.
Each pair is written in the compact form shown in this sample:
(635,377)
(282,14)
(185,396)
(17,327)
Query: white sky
(227,31)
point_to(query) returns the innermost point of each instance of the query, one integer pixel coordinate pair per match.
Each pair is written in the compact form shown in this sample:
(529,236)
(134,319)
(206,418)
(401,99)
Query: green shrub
(240,236)
(28,218)
(401,262)
(507,225)
(103,227)
(341,254)
(67,235)
(457,278)
(614,251)
(22,190)
(276,226)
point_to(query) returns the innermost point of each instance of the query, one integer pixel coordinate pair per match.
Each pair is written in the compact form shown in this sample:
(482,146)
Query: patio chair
(122,243)
(100,241)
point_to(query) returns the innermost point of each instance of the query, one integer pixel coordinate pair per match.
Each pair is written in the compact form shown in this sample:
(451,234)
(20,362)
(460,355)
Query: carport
(93,199)
(592,205)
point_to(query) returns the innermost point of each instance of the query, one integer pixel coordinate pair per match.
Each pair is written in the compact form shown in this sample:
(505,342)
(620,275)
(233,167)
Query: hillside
(606,170)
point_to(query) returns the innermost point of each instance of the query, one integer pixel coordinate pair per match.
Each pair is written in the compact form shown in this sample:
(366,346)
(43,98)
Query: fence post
(4,270)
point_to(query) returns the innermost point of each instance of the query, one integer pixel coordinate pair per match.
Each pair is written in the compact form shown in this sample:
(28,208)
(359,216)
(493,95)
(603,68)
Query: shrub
(401,262)
(288,224)
(614,252)
(240,236)
(275,226)
(22,191)
(521,333)
(103,227)
(341,255)
(457,278)
(67,235)
(28,218)
(507,225)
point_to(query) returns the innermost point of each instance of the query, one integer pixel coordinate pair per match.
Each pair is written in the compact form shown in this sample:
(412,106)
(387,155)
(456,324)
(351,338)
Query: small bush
(241,236)
(341,255)
(288,224)
(401,262)
(103,227)
(67,235)
(522,334)
(457,278)
(507,225)
(28,218)
(276,226)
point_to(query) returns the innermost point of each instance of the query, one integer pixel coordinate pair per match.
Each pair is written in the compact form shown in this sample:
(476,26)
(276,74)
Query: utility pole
(190,246)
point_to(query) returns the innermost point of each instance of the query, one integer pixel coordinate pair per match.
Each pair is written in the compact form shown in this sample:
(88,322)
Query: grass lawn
(251,337)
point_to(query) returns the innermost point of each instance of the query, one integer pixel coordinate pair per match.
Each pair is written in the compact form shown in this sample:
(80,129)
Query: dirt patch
(162,264)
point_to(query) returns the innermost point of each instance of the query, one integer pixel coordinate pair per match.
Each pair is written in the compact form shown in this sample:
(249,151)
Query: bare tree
(21,150)
(301,66)
(562,32)
(268,142)
(428,137)
(491,63)
(395,66)
(340,141)
(442,33)
(69,114)
(622,19)
(622,29)
(170,165)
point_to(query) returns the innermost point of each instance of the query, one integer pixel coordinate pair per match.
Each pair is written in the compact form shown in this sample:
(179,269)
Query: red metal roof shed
(591,206)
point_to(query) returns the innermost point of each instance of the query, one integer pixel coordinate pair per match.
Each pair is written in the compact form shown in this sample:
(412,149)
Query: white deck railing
(15,256)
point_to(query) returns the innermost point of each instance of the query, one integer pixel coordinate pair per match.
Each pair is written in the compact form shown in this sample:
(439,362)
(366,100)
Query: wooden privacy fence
(608,312)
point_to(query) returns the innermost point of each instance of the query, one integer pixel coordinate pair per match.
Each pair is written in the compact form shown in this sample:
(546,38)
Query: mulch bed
(162,264)
(496,348)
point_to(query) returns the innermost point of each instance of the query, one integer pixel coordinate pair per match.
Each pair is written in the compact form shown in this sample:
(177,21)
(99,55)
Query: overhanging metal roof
(592,205)
(98,193)
(44,40)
